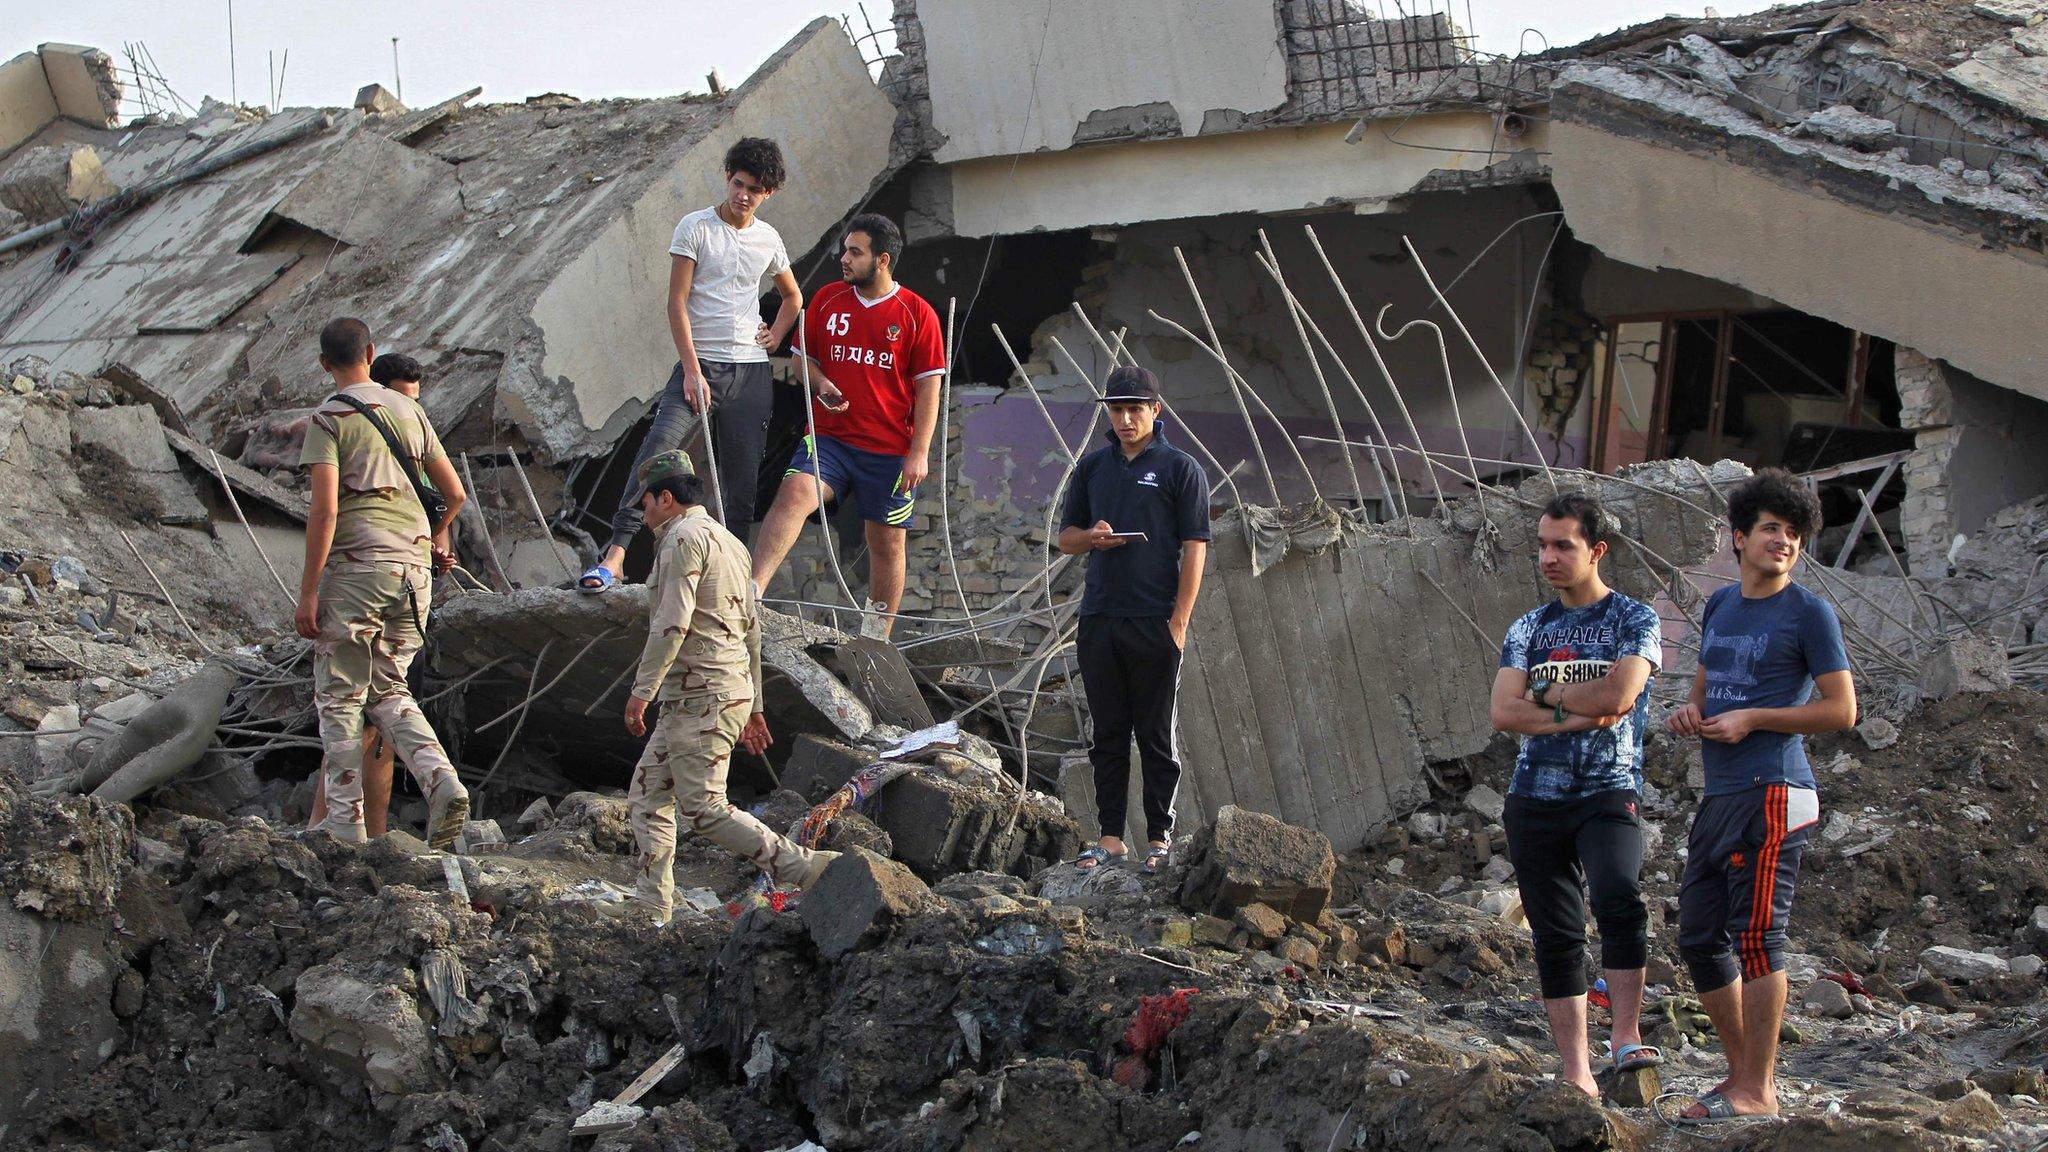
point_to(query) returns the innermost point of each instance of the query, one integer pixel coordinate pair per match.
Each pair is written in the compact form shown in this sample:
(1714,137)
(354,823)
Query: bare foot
(1589,1086)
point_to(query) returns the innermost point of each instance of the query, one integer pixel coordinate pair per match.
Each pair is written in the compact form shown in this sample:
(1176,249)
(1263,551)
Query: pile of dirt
(289,991)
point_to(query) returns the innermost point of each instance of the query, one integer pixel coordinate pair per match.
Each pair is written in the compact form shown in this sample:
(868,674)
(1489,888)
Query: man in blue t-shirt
(1571,684)
(1767,645)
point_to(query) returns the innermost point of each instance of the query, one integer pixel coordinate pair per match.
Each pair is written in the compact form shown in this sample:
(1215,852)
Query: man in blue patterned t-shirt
(1571,682)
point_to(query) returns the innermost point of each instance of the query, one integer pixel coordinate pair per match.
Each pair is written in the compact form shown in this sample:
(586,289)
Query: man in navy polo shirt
(1142,507)
(1772,672)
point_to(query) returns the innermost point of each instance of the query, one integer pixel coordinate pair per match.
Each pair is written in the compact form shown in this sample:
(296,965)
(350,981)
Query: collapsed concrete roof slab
(1660,177)
(1317,687)
(372,187)
(518,251)
(583,649)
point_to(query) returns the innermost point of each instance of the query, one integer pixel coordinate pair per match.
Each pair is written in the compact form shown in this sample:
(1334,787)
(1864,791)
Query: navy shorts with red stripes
(1742,861)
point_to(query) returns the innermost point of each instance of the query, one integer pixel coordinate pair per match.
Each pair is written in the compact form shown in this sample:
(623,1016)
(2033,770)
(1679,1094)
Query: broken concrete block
(131,432)
(601,818)
(1845,125)
(857,900)
(83,82)
(366,1030)
(939,825)
(1961,964)
(58,981)
(1247,857)
(2023,13)
(1264,924)
(11,222)
(818,767)
(605,1115)
(1298,952)
(1878,733)
(1486,802)
(131,435)
(377,101)
(1634,1088)
(479,836)
(1964,664)
(1828,999)
(48,182)
(1973,1113)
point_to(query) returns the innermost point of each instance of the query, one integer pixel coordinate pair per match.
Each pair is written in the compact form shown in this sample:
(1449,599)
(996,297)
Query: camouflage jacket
(704,626)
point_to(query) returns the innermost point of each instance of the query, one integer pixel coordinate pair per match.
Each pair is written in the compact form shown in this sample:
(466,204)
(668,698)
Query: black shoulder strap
(405,461)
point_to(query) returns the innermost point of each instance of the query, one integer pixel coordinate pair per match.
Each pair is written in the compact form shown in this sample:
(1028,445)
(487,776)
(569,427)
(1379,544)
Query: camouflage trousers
(370,616)
(682,774)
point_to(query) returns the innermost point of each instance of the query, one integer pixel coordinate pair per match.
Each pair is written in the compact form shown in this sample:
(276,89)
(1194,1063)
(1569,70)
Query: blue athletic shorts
(873,480)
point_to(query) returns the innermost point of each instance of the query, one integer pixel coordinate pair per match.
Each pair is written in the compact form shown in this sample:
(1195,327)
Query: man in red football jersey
(876,355)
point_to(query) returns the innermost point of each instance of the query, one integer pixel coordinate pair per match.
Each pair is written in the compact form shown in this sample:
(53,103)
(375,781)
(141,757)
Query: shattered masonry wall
(1338,54)
(1976,449)
(1004,82)
(1318,690)
(1561,366)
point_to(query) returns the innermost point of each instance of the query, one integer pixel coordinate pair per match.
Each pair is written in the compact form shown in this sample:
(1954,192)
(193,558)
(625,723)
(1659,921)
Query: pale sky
(588,48)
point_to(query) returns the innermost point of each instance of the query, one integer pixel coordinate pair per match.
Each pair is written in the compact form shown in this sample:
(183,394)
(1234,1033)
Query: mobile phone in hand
(1140,536)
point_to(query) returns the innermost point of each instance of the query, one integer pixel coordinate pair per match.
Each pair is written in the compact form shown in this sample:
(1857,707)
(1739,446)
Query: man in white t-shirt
(718,259)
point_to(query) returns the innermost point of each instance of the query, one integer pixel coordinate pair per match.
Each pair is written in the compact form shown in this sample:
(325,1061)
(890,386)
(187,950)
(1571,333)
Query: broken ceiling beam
(416,123)
(248,482)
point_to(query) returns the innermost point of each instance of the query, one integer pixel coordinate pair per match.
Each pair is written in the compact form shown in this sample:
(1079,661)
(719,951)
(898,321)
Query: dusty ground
(991,1016)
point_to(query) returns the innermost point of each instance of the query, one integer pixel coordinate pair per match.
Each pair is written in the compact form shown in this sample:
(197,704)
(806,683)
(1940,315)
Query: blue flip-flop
(598,572)
(1630,1057)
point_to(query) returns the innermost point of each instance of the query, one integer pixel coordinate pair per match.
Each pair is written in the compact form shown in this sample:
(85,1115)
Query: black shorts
(1556,847)
(1742,861)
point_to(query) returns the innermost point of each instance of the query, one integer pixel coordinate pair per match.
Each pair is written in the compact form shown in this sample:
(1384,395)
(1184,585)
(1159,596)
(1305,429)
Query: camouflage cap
(663,465)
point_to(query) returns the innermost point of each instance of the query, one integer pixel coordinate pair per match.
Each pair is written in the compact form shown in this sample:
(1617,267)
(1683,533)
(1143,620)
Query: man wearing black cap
(1142,506)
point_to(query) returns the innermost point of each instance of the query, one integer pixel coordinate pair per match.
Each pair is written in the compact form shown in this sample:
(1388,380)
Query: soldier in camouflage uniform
(703,660)
(367,585)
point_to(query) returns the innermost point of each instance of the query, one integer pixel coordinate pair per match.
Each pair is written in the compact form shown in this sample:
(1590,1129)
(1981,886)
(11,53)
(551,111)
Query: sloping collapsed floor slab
(512,249)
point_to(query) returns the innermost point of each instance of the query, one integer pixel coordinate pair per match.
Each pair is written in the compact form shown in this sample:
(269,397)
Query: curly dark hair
(1594,520)
(396,366)
(758,157)
(1780,493)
